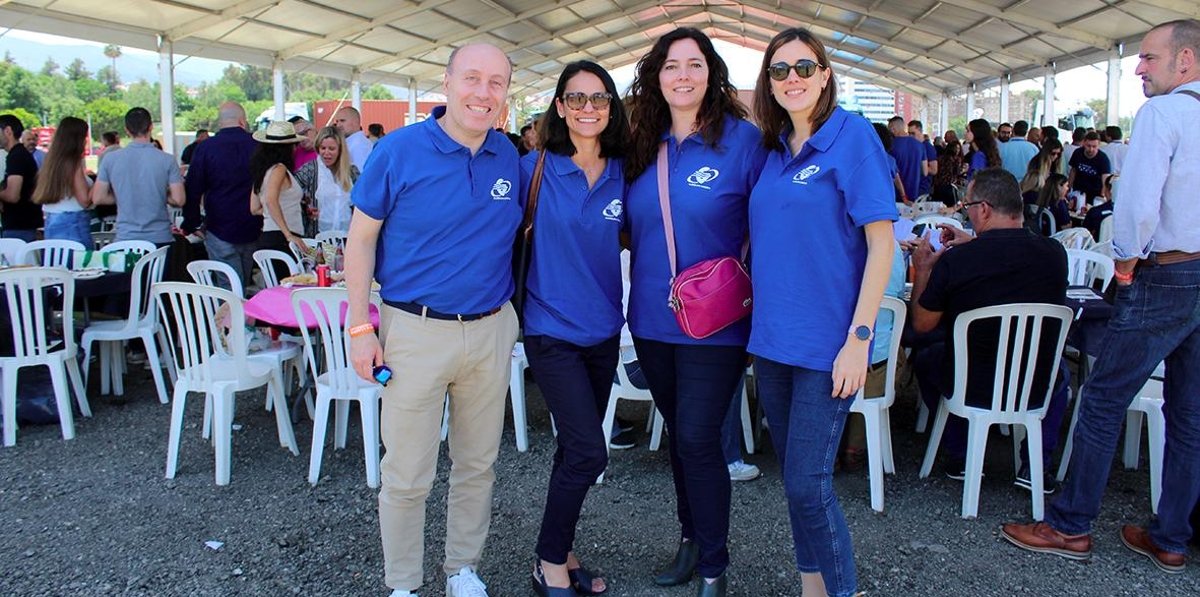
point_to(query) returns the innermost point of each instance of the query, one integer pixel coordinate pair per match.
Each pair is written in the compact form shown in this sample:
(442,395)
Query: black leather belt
(1172,257)
(422,310)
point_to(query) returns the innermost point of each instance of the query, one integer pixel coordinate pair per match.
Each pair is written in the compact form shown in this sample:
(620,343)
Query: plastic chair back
(927,207)
(31,318)
(1075,238)
(50,253)
(147,272)
(899,311)
(11,250)
(265,259)
(312,245)
(203,270)
(1106,229)
(1085,268)
(935,219)
(138,247)
(194,330)
(337,237)
(1017,357)
(328,306)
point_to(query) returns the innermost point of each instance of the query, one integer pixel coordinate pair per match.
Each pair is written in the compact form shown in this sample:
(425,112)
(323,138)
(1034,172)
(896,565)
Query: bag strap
(664,203)
(535,187)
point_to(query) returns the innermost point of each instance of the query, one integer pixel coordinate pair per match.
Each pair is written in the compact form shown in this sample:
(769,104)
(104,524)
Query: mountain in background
(134,64)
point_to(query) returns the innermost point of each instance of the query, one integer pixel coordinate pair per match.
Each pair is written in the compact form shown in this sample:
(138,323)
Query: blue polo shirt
(808,247)
(574,284)
(449,217)
(909,153)
(931,156)
(709,192)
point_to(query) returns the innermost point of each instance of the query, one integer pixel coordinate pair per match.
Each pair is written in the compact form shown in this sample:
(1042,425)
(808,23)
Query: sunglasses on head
(576,100)
(805,68)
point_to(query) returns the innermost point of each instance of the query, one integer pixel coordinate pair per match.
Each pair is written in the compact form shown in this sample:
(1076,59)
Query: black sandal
(543,590)
(583,580)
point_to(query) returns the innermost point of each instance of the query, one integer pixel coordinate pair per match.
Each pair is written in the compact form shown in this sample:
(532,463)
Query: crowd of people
(679,172)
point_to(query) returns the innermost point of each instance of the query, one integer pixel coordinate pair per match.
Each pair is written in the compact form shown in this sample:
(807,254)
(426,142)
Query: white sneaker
(740,471)
(465,584)
(402,593)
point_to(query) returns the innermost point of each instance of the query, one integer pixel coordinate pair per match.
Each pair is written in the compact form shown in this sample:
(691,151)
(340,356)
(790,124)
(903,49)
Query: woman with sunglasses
(572,311)
(822,246)
(1041,166)
(682,103)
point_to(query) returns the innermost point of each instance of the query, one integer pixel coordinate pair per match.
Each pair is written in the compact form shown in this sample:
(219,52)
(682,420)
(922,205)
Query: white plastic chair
(25,289)
(516,390)
(337,237)
(49,253)
(11,251)
(338,381)
(1012,392)
(266,258)
(141,322)
(1085,268)
(204,272)
(1148,404)
(139,247)
(932,220)
(205,364)
(927,207)
(1106,230)
(312,245)
(875,409)
(624,389)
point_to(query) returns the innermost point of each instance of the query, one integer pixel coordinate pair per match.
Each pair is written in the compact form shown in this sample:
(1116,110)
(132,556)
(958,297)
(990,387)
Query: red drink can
(323,276)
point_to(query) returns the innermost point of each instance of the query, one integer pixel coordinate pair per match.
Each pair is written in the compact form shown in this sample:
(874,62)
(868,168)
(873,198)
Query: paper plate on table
(89,273)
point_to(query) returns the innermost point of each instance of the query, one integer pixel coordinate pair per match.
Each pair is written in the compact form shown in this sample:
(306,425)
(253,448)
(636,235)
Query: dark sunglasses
(805,68)
(577,100)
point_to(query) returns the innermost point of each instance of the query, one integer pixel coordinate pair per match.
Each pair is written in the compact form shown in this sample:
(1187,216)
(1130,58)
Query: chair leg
(368,404)
(77,383)
(1065,460)
(1034,431)
(206,427)
(977,434)
(178,401)
(106,360)
(874,456)
(606,427)
(118,379)
(160,385)
(446,418)
(341,423)
(320,426)
(283,420)
(747,431)
(165,349)
(223,431)
(8,403)
(1133,438)
(1018,434)
(1157,435)
(935,438)
(885,431)
(87,358)
(516,389)
(656,433)
(62,397)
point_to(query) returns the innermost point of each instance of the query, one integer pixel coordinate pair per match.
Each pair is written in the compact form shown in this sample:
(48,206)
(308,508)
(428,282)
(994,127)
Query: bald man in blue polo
(436,210)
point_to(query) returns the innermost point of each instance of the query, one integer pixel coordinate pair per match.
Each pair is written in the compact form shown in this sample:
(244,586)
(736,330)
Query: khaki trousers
(429,358)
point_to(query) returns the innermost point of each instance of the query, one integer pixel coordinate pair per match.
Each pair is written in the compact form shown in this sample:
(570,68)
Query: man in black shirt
(22,217)
(1089,167)
(186,156)
(1005,264)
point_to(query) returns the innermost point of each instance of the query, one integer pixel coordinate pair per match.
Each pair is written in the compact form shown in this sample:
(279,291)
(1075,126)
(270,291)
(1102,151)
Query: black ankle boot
(714,589)
(681,568)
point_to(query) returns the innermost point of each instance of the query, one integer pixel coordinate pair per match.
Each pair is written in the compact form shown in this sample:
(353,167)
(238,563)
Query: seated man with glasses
(1004,264)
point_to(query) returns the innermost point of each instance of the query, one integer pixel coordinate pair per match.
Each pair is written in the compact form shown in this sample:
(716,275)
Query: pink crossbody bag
(708,296)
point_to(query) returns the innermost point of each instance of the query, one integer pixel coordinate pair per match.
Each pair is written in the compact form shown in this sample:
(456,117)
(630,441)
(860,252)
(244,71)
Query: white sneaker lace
(466,584)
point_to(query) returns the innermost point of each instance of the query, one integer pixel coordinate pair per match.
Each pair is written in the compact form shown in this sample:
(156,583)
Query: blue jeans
(692,386)
(70,225)
(239,256)
(575,381)
(806,428)
(1157,318)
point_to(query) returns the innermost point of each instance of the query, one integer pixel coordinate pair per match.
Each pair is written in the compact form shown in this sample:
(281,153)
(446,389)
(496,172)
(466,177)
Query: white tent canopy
(930,48)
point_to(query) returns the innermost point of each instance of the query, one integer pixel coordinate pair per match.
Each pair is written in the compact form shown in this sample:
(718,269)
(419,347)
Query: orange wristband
(1123,277)
(361,329)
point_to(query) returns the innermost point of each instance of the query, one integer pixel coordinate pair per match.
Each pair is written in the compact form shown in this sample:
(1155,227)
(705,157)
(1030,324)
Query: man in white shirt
(1157,245)
(350,123)
(1115,149)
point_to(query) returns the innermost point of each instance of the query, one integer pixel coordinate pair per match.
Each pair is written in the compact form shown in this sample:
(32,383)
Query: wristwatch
(861,332)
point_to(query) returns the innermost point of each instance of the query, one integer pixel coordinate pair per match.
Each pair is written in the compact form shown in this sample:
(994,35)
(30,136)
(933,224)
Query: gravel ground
(94,516)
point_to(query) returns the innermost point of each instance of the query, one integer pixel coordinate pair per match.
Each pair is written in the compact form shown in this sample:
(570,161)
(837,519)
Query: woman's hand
(299,243)
(850,368)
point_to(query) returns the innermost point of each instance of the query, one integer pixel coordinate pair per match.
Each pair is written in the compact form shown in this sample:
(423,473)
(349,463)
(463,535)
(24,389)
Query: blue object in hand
(382,374)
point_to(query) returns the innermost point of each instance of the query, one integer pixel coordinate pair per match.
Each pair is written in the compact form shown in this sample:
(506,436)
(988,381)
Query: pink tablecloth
(273,306)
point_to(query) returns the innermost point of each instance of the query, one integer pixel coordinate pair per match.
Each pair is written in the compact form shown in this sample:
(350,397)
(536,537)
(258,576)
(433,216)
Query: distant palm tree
(113,51)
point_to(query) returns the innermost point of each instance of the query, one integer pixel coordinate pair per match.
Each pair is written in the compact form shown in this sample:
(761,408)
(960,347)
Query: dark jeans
(1157,318)
(575,381)
(692,387)
(731,429)
(931,377)
(806,429)
(239,256)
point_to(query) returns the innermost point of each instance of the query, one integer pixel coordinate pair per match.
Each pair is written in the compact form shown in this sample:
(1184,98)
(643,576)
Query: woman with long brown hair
(62,185)
(683,105)
(984,151)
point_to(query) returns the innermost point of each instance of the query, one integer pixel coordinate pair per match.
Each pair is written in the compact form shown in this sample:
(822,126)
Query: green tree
(1100,107)
(113,51)
(145,95)
(90,89)
(27,118)
(57,97)
(50,68)
(106,114)
(958,124)
(16,88)
(109,78)
(377,92)
(255,82)
(77,70)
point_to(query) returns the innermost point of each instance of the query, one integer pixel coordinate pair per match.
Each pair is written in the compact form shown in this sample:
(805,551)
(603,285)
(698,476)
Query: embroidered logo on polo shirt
(805,174)
(703,176)
(500,190)
(614,210)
